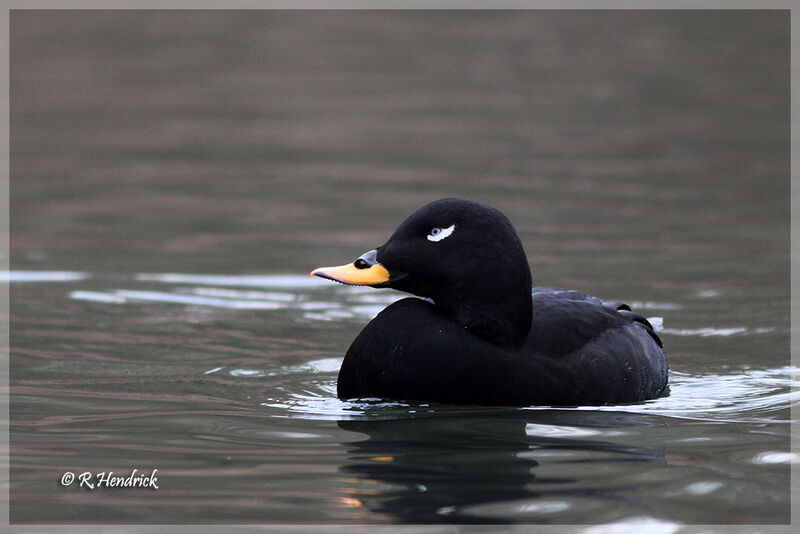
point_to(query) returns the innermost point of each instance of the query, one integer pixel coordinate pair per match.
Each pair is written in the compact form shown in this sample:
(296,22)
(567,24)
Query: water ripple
(283,281)
(749,396)
(743,395)
(709,331)
(42,276)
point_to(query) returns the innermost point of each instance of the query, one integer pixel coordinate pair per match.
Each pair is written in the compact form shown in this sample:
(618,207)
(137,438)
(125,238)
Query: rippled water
(175,176)
(194,375)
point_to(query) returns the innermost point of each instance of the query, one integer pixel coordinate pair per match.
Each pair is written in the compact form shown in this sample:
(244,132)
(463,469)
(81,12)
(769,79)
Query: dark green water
(175,175)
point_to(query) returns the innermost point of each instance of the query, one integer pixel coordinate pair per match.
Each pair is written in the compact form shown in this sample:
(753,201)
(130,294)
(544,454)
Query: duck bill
(349,274)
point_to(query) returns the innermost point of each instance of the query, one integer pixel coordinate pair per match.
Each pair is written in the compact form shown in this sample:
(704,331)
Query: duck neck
(500,312)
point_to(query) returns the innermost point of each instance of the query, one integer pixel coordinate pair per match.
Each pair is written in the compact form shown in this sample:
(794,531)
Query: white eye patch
(437,234)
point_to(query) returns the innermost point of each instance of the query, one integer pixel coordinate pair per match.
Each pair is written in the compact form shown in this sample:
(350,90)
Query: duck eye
(437,234)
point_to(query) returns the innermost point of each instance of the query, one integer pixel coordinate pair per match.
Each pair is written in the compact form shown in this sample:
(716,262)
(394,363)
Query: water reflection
(461,469)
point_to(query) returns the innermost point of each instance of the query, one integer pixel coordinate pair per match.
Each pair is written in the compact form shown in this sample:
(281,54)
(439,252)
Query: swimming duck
(481,334)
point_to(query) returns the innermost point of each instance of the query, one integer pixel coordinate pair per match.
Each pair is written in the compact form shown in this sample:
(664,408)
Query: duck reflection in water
(442,468)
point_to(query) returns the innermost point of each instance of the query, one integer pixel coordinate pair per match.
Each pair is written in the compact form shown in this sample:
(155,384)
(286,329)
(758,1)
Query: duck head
(465,256)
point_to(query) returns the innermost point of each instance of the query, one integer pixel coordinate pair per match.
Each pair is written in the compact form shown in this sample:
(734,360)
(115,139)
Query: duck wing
(565,319)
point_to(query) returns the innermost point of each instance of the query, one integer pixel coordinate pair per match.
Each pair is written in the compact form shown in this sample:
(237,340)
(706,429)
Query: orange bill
(350,274)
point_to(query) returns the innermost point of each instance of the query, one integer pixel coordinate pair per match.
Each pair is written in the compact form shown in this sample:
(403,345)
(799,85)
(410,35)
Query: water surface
(176,175)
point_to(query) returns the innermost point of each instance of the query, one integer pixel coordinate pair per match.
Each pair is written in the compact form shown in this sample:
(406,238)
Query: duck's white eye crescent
(437,234)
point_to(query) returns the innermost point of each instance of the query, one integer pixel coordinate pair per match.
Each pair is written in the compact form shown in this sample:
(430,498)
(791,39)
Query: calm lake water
(176,175)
